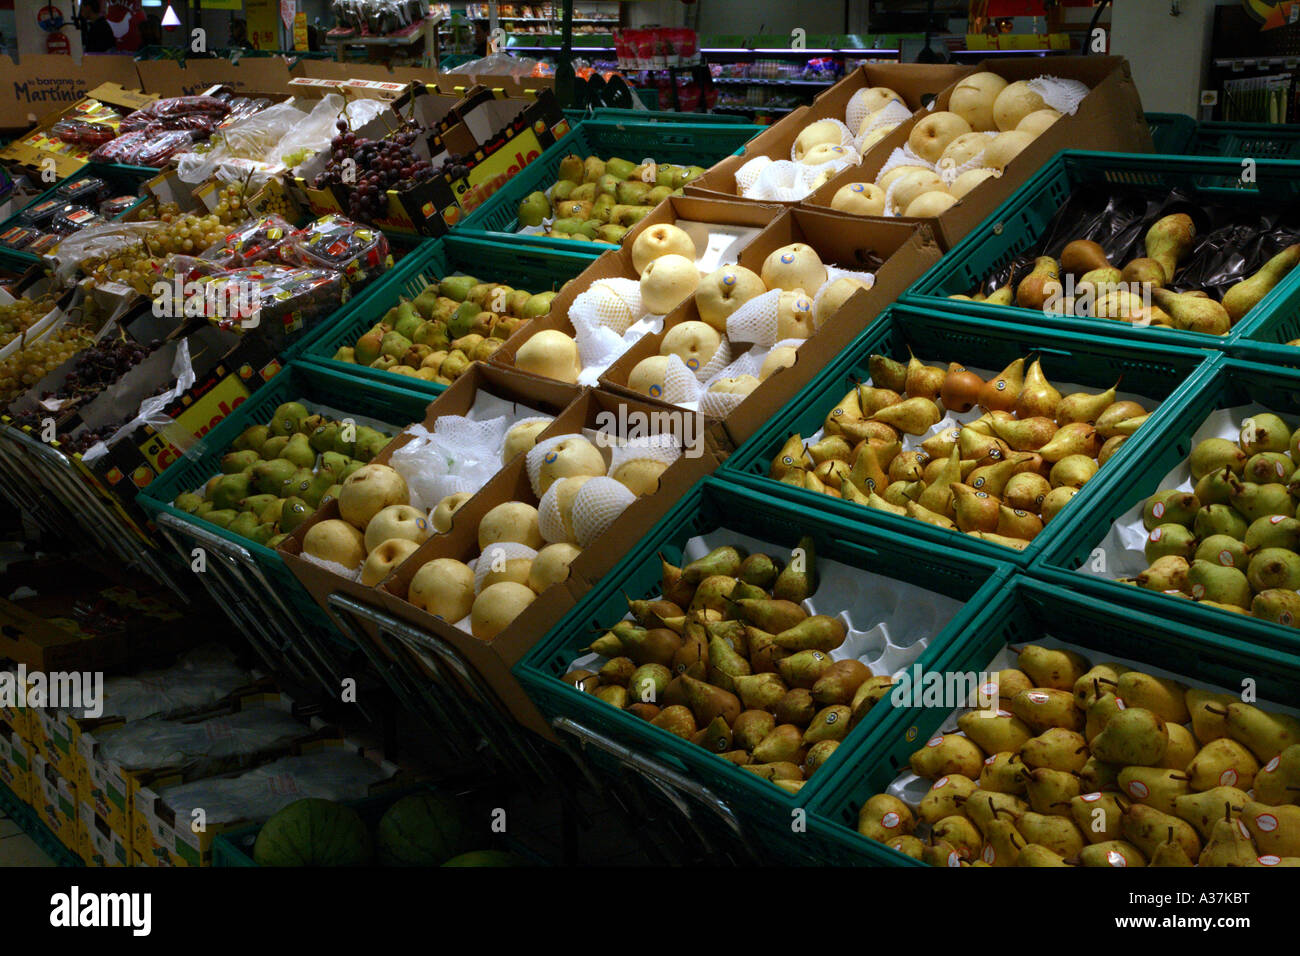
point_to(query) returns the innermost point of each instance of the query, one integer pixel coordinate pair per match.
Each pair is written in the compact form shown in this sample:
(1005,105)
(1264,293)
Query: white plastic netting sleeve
(536,457)
(495,556)
(950,173)
(1062,95)
(756,320)
(333,567)
(893,113)
(550,522)
(833,273)
(597,505)
(663,448)
(858,111)
(747,175)
(681,384)
(612,303)
(722,404)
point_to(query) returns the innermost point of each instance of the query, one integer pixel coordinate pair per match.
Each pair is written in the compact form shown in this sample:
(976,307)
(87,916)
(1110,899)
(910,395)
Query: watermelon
(314,832)
(422,829)
(486,858)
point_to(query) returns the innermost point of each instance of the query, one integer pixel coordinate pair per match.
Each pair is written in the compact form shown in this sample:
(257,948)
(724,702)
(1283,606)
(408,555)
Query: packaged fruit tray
(679,143)
(298,382)
(861,596)
(1255,140)
(1171,187)
(537,270)
(1155,377)
(1227,419)
(89,187)
(1167,665)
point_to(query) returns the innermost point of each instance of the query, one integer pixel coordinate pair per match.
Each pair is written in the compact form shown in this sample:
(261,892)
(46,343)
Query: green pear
(1219,519)
(236,461)
(1132,737)
(231,490)
(299,452)
(251,438)
(1098,815)
(221,517)
(287,418)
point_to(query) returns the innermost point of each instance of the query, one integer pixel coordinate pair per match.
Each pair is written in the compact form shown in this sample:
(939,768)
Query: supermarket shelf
(778,82)
(741,108)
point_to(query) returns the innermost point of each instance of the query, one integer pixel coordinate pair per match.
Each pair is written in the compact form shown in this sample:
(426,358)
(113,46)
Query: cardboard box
(173,840)
(39,147)
(492,660)
(1109,118)
(897,252)
(101,845)
(250,76)
(54,799)
(20,719)
(110,788)
(82,621)
(42,83)
(16,765)
(915,82)
(617,263)
(496,133)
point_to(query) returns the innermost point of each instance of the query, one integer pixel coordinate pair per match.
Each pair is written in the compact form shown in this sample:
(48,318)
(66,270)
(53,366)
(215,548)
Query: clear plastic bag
(336,242)
(249,140)
(202,678)
(154,742)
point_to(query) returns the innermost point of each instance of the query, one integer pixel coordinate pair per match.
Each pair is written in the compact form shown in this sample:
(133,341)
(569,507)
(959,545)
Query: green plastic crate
(536,269)
(682,143)
(389,403)
(711,505)
(1253,140)
(1159,373)
(1025,612)
(1017,225)
(124,179)
(234,848)
(1223,384)
(1171,132)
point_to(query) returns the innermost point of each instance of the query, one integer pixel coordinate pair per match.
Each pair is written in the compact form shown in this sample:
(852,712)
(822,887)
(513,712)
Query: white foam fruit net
(722,404)
(892,114)
(460,454)
(756,320)
(662,448)
(596,506)
(1062,95)
(494,558)
(747,175)
(833,273)
(787,181)
(604,319)
(536,457)
(550,522)
(681,385)
(857,110)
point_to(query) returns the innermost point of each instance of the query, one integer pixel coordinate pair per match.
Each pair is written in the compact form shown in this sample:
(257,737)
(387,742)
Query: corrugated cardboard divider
(493,659)
(915,82)
(1110,118)
(617,263)
(846,241)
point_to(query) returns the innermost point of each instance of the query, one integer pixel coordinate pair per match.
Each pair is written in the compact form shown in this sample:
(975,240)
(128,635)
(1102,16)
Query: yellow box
(16,765)
(102,846)
(55,801)
(18,718)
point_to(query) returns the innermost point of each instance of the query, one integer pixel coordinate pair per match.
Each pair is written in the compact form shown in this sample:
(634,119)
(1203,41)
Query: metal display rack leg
(431,678)
(679,791)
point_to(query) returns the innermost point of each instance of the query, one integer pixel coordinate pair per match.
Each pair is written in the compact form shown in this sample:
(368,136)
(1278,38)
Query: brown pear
(1038,397)
(887,373)
(1084,406)
(923,381)
(1025,434)
(1075,438)
(913,416)
(1018,524)
(1099,816)
(782,743)
(840,682)
(751,727)
(707,702)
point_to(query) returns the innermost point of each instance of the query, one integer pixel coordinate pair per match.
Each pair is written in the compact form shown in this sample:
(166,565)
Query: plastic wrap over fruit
(155,742)
(333,774)
(597,505)
(200,679)
(460,454)
(892,114)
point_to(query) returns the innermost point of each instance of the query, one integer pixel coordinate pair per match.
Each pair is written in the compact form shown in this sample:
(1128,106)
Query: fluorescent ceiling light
(170,19)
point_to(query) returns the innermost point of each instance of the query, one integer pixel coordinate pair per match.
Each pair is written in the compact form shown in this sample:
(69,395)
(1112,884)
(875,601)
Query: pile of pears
(597,200)
(1233,541)
(728,658)
(450,325)
(1001,477)
(275,476)
(1101,766)
(1105,291)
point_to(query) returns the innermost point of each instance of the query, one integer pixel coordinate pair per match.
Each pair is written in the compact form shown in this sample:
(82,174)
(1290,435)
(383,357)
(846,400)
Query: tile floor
(17,848)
